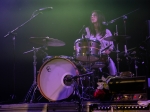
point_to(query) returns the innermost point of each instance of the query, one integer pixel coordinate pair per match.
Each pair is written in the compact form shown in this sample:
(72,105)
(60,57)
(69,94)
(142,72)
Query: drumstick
(106,48)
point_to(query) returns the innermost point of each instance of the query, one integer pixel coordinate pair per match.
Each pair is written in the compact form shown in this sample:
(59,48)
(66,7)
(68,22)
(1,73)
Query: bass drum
(52,77)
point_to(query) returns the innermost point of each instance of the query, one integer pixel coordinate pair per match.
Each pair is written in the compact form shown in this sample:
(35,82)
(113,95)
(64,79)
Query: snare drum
(52,76)
(87,50)
(66,57)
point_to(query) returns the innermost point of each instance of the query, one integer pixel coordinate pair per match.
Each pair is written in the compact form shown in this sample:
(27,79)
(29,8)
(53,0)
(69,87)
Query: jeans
(111,67)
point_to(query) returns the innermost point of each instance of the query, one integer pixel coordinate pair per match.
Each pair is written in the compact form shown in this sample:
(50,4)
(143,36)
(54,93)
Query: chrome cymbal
(46,41)
(117,38)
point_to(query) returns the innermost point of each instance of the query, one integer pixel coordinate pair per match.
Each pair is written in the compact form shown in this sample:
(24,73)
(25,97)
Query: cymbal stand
(76,86)
(32,90)
(89,77)
(83,88)
(135,66)
(90,84)
(117,50)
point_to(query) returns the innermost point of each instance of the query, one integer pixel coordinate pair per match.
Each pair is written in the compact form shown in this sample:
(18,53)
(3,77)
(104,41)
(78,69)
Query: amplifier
(117,108)
(127,85)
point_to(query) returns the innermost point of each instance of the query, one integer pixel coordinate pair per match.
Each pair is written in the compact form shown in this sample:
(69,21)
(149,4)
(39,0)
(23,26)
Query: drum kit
(63,76)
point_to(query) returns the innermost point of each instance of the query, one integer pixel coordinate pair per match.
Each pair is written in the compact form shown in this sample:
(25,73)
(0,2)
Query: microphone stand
(34,14)
(123,16)
(34,84)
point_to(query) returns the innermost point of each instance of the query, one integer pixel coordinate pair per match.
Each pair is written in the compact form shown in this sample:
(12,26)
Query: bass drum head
(51,79)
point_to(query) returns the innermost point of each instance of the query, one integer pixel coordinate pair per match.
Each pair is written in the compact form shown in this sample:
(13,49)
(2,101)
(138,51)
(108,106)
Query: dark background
(64,23)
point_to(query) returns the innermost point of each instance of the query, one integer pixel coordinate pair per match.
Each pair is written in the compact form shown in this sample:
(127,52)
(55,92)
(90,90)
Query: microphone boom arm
(123,16)
(12,32)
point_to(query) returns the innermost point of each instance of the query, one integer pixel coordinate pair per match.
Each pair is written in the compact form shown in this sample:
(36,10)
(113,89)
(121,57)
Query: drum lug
(90,51)
(79,44)
(91,44)
(79,50)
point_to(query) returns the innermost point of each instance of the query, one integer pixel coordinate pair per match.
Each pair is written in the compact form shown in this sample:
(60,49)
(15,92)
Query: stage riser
(71,107)
(38,107)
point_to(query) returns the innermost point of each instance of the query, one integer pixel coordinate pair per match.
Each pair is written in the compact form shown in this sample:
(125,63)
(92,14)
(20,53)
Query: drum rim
(81,39)
(96,56)
(85,47)
(38,77)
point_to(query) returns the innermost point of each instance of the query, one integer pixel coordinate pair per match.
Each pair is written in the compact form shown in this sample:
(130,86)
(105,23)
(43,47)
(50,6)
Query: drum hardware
(131,56)
(33,88)
(46,41)
(135,66)
(69,77)
(84,95)
(86,51)
(117,39)
(13,33)
(68,80)
(117,51)
(47,58)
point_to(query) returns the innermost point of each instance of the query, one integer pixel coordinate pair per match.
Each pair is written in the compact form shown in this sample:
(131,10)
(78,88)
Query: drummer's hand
(107,51)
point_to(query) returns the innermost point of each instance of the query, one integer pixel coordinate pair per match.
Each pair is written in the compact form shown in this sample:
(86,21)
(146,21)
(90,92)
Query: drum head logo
(48,68)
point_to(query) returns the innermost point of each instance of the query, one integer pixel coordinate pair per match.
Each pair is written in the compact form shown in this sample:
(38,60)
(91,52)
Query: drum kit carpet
(62,76)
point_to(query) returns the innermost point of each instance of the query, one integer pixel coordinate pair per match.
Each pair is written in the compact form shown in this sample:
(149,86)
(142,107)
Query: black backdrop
(63,23)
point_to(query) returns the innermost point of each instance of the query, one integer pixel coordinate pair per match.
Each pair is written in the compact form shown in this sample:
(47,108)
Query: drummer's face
(94,17)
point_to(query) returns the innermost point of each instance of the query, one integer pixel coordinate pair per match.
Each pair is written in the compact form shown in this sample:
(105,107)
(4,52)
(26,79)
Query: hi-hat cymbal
(46,41)
(117,38)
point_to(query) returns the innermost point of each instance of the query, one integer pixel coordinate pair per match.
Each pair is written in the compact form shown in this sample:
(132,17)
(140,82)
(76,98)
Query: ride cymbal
(46,41)
(117,38)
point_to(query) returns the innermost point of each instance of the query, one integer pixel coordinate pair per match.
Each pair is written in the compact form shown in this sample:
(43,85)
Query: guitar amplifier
(128,88)
(127,84)
(118,108)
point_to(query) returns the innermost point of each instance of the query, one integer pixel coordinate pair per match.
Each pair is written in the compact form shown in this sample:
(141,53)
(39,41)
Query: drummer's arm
(87,33)
(110,49)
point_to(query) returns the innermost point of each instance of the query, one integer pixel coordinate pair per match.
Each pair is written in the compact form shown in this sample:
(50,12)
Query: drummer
(98,31)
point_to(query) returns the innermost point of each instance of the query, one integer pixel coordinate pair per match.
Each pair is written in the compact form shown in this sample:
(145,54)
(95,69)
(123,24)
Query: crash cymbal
(46,41)
(117,38)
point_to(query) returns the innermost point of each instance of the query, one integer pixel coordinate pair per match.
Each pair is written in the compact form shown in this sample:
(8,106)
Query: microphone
(105,23)
(45,8)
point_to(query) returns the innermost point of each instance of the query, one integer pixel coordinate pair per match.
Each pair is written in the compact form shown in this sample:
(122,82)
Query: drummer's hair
(101,27)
